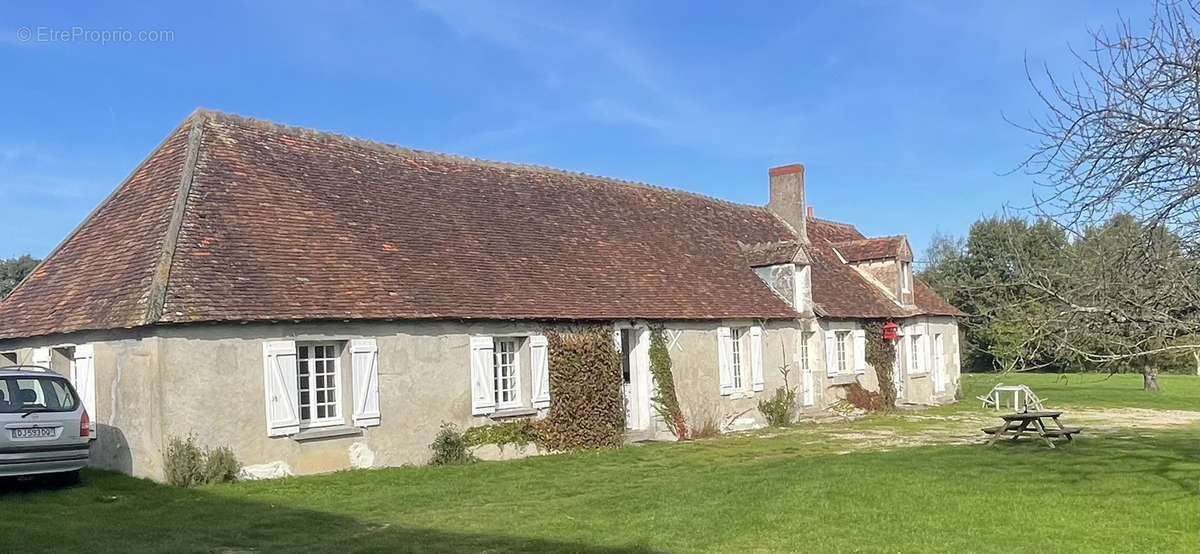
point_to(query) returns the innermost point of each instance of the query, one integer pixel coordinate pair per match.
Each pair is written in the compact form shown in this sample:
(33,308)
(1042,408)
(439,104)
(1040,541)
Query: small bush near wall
(706,420)
(881,354)
(518,432)
(450,447)
(864,399)
(665,401)
(586,410)
(779,409)
(186,464)
(220,465)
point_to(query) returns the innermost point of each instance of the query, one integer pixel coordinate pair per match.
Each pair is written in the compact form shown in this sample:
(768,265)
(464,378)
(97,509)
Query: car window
(47,393)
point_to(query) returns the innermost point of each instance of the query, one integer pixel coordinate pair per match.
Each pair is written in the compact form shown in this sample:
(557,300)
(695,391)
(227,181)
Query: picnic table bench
(1020,423)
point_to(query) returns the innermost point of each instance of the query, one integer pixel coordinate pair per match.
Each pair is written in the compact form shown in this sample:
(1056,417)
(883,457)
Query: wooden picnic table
(1032,422)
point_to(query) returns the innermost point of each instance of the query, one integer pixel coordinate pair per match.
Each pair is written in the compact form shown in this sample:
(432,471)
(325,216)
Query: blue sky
(895,108)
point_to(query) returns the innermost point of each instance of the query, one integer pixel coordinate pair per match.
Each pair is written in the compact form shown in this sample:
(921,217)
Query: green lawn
(805,488)
(1094,390)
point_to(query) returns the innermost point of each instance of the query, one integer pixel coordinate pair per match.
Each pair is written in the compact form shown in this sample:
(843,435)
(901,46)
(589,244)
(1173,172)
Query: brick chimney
(787,197)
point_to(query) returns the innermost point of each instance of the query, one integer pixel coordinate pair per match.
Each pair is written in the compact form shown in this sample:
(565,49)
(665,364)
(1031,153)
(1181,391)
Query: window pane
(505,377)
(317,369)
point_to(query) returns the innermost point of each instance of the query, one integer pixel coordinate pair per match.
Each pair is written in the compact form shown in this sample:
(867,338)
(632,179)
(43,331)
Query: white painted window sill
(322,433)
(843,379)
(509,413)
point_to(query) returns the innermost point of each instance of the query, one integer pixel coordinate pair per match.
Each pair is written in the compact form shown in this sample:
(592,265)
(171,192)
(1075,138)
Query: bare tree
(1122,135)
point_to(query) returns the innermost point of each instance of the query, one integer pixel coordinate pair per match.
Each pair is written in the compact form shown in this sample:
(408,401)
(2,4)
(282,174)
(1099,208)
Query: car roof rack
(25,368)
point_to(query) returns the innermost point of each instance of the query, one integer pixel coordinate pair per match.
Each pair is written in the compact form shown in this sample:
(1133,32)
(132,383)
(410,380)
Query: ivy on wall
(881,353)
(586,410)
(665,401)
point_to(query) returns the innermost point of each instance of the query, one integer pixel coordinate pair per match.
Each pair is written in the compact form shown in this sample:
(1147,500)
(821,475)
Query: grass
(795,489)
(1094,390)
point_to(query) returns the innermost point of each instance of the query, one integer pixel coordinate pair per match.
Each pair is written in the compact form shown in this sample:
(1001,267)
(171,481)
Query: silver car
(44,428)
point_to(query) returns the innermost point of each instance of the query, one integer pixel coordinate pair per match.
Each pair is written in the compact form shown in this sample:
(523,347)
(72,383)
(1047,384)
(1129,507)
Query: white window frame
(915,355)
(312,421)
(843,347)
(738,358)
(905,276)
(805,336)
(497,378)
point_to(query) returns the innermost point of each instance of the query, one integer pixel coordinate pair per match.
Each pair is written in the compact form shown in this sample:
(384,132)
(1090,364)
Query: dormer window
(905,277)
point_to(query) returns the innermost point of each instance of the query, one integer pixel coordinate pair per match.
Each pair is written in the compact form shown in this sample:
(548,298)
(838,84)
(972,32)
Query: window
(317,376)
(507,367)
(8,358)
(735,359)
(914,348)
(843,349)
(905,276)
(804,338)
(49,394)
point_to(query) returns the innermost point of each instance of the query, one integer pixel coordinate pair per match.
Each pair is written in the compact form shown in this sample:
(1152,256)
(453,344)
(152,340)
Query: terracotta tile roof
(101,275)
(283,223)
(879,248)
(770,253)
(840,291)
(233,219)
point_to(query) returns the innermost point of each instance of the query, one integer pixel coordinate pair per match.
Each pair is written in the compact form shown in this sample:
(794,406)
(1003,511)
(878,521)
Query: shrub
(518,432)
(220,465)
(779,409)
(586,410)
(706,429)
(449,447)
(864,399)
(186,464)
(183,462)
(665,401)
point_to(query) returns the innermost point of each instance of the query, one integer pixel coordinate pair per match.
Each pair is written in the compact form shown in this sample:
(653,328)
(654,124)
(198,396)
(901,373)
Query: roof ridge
(837,223)
(397,149)
(869,239)
(157,295)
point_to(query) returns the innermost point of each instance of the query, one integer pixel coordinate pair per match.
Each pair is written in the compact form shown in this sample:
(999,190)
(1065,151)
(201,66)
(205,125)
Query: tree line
(1028,288)
(1101,272)
(13,270)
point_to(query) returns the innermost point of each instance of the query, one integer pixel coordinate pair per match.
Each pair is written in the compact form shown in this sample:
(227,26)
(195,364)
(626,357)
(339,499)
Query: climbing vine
(586,410)
(881,353)
(665,401)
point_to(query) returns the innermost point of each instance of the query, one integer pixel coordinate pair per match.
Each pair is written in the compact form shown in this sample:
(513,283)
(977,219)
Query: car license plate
(33,433)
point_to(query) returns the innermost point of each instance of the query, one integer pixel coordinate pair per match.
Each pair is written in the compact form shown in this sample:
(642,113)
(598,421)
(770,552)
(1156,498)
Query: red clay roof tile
(282,223)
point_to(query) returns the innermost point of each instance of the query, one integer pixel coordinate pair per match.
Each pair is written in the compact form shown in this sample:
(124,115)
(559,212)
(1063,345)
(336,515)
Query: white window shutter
(724,353)
(539,369)
(756,361)
(83,376)
(483,394)
(831,353)
(41,357)
(860,351)
(279,380)
(364,362)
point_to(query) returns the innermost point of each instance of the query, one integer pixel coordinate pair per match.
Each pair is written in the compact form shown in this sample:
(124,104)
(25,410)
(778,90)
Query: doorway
(939,365)
(634,342)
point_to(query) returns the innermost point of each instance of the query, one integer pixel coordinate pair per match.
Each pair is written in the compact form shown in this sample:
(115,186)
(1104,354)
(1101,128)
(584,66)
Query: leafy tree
(13,270)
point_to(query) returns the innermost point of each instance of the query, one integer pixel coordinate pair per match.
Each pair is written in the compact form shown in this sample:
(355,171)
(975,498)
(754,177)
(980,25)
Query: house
(318,302)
